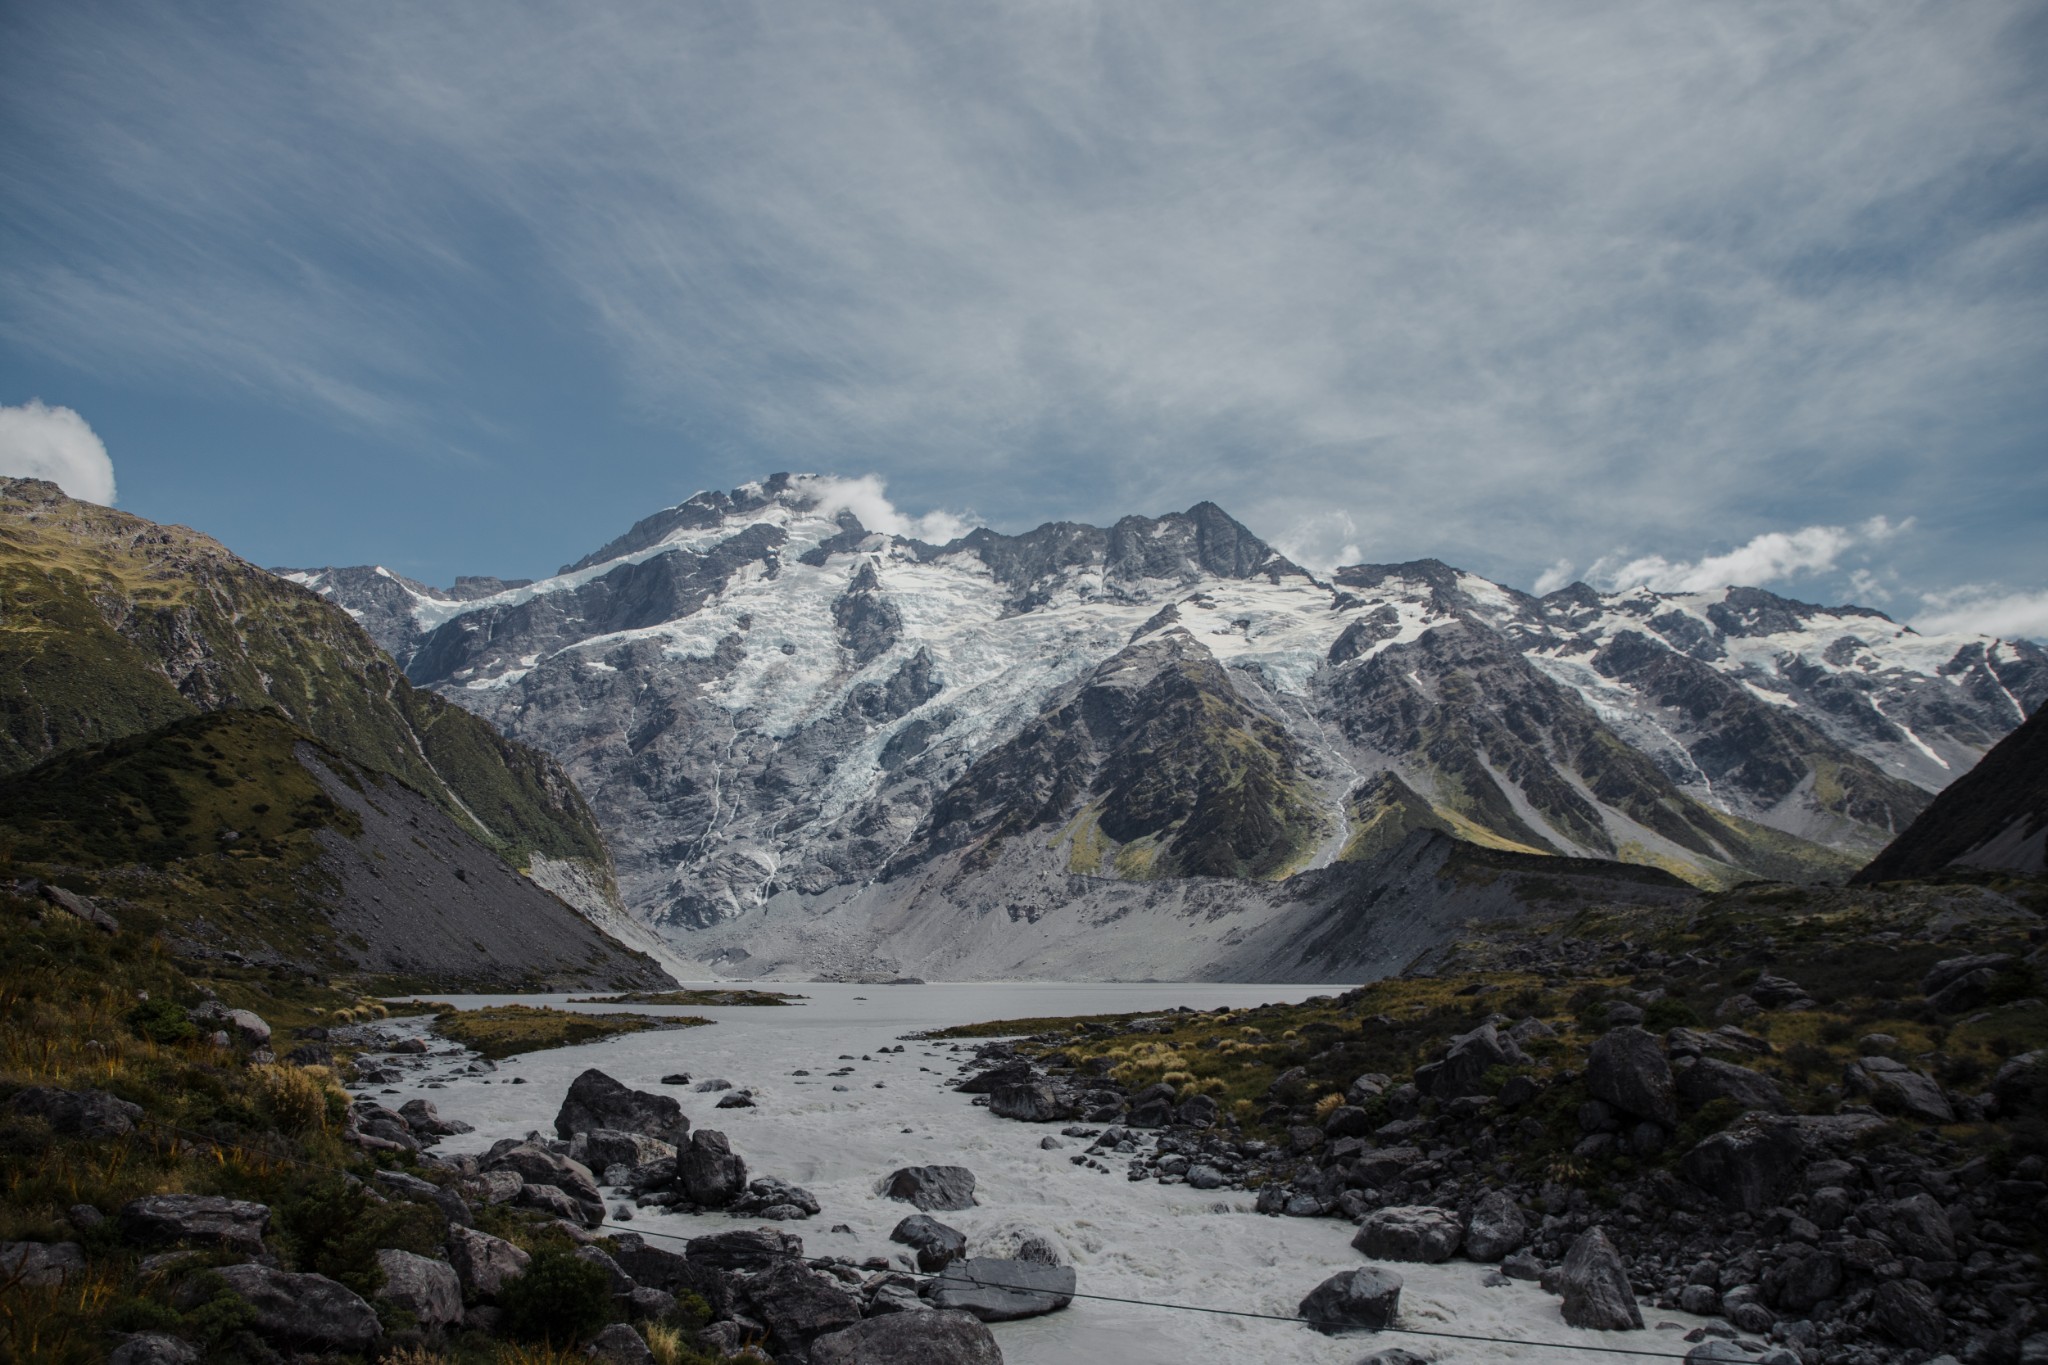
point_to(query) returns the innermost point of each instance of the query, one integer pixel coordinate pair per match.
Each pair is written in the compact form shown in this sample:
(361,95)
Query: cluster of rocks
(1856,1236)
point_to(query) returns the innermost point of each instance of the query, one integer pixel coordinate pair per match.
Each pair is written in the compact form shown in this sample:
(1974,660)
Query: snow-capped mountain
(812,743)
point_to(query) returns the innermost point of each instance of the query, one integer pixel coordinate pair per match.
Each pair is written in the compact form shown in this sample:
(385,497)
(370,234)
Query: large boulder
(602,1148)
(1594,1282)
(1627,1068)
(154,1348)
(1750,1167)
(1462,1071)
(1495,1227)
(1907,1312)
(1801,1282)
(743,1249)
(536,1165)
(303,1310)
(595,1101)
(797,1305)
(428,1289)
(426,1122)
(1031,1102)
(1918,1226)
(1409,1232)
(936,1245)
(1946,973)
(485,1264)
(199,1220)
(930,1188)
(1363,1300)
(1710,1079)
(2021,1085)
(997,1077)
(776,1199)
(1896,1088)
(244,1024)
(75,1113)
(999,1290)
(619,1344)
(936,1338)
(708,1172)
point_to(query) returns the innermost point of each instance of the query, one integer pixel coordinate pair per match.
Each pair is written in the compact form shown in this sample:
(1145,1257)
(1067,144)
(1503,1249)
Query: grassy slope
(115,624)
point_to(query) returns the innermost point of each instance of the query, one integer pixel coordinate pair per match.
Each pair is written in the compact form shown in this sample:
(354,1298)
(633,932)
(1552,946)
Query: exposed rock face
(862,721)
(200,1220)
(1353,1301)
(304,1310)
(1409,1233)
(1995,816)
(428,1289)
(484,1264)
(936,1338)
(1000,1291)
(596,1101)
(1628,1069)
(75,1113)
(1595,1285)
(1897,1089)
(931,1188)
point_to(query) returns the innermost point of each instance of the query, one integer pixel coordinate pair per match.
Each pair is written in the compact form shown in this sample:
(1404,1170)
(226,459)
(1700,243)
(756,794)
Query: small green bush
(335,1229)
(1670,1013)
(162,1021)
(559,1299)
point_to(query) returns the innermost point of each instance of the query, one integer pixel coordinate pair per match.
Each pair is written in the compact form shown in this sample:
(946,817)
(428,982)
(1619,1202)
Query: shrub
(1670,1013)
(162,1021)
(559,1298)
(336,1229)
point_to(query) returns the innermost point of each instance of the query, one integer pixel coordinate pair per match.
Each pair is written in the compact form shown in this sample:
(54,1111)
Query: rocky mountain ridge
(798,732)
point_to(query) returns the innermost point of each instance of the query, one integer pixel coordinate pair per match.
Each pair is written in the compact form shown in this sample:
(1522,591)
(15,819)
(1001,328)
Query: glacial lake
(1134,1240)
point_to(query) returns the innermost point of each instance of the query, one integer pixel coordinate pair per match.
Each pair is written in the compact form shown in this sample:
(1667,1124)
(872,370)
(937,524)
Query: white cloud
(1321,541)
(1765,558)
(41,442)
(868,499)
(1554,577)
(1986,610)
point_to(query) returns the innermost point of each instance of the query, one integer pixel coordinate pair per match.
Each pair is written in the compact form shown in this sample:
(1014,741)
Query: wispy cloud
(1771,557)
(1500,280)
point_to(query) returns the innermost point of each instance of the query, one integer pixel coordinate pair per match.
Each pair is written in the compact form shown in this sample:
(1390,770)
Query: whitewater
(1128,1239)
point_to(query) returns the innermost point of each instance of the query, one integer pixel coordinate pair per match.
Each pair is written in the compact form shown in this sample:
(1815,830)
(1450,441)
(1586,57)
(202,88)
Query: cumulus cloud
(38,441)
(1554,577)
(1766,558)
(867,497)
(1321,541)
(1983,609)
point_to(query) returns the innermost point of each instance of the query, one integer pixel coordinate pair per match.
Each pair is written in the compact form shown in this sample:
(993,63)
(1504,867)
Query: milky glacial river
(1137,1240)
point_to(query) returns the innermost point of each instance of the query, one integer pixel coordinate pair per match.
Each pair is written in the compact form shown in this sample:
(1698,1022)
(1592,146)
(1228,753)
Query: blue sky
(1654,292)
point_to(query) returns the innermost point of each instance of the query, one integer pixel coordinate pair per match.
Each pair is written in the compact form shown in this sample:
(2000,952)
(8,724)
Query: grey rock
(1385,1164)
(426,1122)
(946,1337)
(1700,1300)
(745,1249)
(1521,1265)
(196,1220)
(303,1310)
(483,1263)
(995,1290)
(1392,1355)
(1409,1232)
(1363,1300)
(596,1100)
(1749,1167)
(1775,992)
(1595,1285)
(1495,1227)
(2021,1082)
(645,1303)
(36,1264)
(1205,1178)
(619,1344)
(1709,1079)
(1946,973)
(776,1200)
(708,1171)
(246,1025)
(556,1203)
(1798,1284)
(1463,1068)
(154,1348)
(1347,1121)
(930,1188)
(1198,1111)
(1718,1351)
(1627,1069)
(1896,1088)
(79,907)
(621,1283)
(428,1289)
(1919,1226)
(75,1113)
(936,1244)
(1014,1240)
(1908,1314)
(1965,993)
(536,1165)
(1031,1102)
(798,1305)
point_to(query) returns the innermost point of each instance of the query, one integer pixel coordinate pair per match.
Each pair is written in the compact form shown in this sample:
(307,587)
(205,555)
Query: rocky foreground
(1813,1118)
